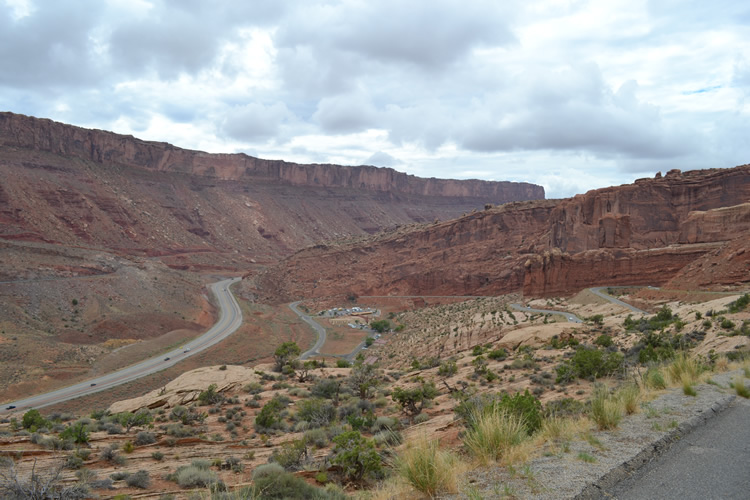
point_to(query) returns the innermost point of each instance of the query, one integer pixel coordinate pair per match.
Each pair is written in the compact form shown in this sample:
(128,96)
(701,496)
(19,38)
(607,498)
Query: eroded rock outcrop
(101,146)
(642,233)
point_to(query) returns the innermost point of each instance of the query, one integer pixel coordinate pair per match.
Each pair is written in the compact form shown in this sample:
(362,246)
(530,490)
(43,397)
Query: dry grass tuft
(428,469)
(493,434)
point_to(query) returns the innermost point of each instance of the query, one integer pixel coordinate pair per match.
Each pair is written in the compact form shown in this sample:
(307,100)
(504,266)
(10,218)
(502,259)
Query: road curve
(569,316)
(314,350)
(230,319)
(604,295)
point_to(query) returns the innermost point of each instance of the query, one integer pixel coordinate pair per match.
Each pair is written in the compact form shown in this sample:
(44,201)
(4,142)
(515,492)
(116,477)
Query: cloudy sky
(572,95)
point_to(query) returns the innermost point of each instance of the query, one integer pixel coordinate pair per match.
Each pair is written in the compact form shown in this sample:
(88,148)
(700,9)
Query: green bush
(355,455)
(498,354)
(210,396)
(604,340)
(739,304)
(448,369)
(270,415)
(589,363)
(523,405)
(33,420)
(380,325)
(342,363)
(78,433)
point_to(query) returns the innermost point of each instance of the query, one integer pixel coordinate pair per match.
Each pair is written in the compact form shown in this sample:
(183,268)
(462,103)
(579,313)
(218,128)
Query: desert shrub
(138,479)
(110,454)
(606,410)
(158,456)
(739,304)
(77,432)
(493,432)
(589,363)
(384,423)
(727,324)
(253,388)
(34,420)
(566,407)
(604,340)
(144,438)
(498,354)
(326,388)
(73,462)
(210,396)
(427,468)
(190,476)
(113,428)
(290,455)
(269,416)
(413,400)
(128,447)
(186,416)
(387,438)
(342,363)
(317,438)
(40,483)
(524,405)
(272,482)
(448,369)
(356,455)
(318,412)
(179,430)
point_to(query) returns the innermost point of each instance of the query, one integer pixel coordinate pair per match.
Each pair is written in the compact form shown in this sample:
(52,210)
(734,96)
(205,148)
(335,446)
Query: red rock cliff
(642,233)
(102,146)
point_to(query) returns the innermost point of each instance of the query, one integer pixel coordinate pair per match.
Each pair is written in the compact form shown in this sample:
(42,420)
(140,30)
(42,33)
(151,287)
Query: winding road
(315,350)
(230,319)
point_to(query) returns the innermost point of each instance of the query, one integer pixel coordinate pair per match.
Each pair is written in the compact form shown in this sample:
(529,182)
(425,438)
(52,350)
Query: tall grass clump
(606,410)
(427,468)
(684,370)
(630,396)
(493,433)
(654,379)
(740,387)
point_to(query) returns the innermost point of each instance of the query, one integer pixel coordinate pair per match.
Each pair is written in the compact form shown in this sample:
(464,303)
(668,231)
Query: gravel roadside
(586,467)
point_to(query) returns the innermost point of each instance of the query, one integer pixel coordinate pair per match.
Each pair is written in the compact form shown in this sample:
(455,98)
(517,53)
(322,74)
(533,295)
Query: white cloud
(571,95)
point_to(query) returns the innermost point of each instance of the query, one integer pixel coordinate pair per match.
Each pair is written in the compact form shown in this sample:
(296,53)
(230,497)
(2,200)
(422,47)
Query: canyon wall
(641,233)
(101,146)
(66,185)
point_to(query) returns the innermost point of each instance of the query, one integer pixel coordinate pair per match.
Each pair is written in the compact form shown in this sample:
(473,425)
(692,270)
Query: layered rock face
(643,233)
(107,147)
(71,186)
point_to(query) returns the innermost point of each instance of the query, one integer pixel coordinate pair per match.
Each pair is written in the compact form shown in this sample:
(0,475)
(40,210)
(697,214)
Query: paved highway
(315,350)
(230,319)
(569,316)
(712,461)
(598,292)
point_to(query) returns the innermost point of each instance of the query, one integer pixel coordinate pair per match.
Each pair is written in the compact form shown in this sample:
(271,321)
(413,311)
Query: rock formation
(67,185)
(641,233)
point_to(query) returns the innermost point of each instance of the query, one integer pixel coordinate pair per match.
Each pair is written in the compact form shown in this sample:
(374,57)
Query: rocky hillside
(74,186)
(642,233)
